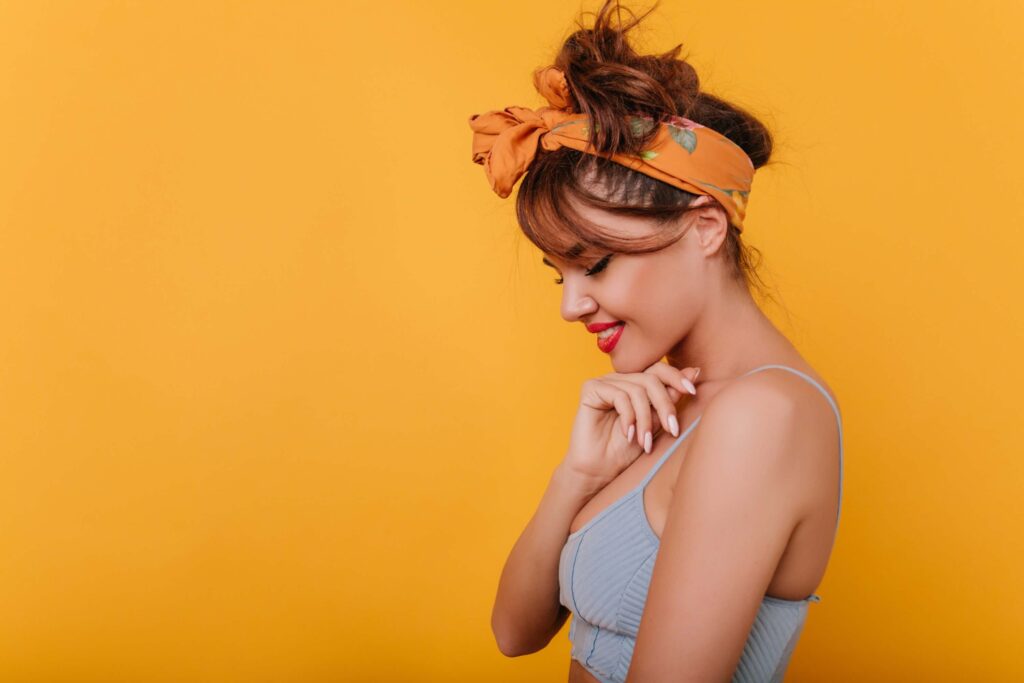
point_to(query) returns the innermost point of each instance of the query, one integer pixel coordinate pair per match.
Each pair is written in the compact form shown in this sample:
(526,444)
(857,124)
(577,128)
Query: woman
(693,515)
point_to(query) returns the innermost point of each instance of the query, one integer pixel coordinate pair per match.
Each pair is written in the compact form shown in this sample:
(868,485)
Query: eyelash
(598,267)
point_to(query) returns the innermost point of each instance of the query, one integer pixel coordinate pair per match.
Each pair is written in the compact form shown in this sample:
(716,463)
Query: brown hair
(608,79)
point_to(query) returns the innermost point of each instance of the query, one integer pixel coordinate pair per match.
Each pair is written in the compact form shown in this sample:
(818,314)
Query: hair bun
(611,80)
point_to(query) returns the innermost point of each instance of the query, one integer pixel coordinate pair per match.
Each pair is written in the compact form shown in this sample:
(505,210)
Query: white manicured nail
(688,385)
(629,436)
(647,442)
(673,425)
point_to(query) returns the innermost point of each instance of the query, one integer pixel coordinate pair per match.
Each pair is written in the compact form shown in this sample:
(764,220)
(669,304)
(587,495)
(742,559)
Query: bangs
(559,180)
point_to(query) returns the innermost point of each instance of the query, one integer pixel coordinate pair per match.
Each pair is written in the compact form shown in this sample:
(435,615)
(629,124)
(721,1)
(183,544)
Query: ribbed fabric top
(604,573)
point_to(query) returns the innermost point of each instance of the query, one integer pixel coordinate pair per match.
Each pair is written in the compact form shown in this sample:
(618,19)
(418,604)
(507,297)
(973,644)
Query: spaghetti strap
(668,452)
(839,421)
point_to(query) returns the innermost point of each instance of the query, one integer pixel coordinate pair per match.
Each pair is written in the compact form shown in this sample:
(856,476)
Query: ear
(711,224)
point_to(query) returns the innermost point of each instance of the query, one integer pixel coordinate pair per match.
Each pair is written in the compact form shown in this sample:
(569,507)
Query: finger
(660,398)
(646,427)
(604,396)
(639,400)
(674,377)
(669,376)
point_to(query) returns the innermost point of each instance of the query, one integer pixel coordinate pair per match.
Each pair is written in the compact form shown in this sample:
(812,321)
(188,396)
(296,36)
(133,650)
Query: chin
(631,365)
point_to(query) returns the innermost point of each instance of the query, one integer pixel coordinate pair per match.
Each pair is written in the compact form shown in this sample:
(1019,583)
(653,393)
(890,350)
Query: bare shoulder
(766,444)
(776,388)
(777,404)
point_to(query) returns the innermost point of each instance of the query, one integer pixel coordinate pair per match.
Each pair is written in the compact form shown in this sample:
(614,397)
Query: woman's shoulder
(785,381)
(801,400)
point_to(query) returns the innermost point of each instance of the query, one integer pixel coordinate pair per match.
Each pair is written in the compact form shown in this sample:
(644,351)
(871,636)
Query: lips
(609,343)
(598,327)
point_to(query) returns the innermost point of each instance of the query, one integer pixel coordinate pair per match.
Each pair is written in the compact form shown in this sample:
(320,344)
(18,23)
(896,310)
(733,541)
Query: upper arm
(731,516)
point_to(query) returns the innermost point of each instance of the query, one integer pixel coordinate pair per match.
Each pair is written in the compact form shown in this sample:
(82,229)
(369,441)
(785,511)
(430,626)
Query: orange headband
(683,154)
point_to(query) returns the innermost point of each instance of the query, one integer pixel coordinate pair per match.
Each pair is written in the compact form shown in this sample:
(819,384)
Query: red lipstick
(608,343)
(598,327)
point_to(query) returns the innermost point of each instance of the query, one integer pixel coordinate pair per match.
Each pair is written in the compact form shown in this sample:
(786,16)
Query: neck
(730,336)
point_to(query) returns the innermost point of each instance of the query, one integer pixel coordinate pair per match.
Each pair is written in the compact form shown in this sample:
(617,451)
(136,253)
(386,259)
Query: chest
(654,499)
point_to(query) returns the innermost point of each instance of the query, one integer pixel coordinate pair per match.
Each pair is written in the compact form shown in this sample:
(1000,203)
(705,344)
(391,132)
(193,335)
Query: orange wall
(280,383)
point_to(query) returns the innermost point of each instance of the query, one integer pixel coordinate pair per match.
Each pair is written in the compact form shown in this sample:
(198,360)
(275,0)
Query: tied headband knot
(550,82)
(683,153)
(505,142)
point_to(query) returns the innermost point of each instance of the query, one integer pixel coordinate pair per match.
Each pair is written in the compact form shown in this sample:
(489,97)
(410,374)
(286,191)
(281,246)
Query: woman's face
(658,296)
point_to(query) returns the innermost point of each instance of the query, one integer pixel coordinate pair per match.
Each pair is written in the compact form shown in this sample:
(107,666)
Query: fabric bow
(683,153)
(550,82)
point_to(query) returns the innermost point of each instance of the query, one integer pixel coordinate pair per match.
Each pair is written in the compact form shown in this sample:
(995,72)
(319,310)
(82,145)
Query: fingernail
(629,436)
(696,374)
(673,425)
(688,385)
(647,442)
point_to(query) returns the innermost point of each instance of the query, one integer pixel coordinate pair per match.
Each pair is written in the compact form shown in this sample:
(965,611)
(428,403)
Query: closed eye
(600,265)
(594,270)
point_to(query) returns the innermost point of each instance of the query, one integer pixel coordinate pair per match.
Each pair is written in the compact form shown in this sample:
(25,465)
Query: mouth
(608,338)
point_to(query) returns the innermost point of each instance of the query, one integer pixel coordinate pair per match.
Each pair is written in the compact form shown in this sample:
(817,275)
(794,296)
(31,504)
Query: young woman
(694,513)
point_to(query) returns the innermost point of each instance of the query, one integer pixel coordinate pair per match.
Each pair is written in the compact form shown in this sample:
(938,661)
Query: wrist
(574,483)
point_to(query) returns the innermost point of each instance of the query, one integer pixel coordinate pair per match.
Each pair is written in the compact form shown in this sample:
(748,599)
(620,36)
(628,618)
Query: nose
(576,302)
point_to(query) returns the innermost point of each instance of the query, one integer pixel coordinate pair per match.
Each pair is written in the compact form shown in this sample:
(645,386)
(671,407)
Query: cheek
(640,296)
(661,297)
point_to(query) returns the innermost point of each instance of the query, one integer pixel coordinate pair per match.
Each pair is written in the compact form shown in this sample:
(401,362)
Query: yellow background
(280,383)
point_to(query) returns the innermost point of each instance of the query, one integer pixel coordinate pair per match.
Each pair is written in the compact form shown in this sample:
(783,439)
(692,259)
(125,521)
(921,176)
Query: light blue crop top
(604,572)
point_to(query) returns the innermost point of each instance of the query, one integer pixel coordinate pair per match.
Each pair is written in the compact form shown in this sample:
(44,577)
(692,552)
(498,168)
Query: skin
(682,304)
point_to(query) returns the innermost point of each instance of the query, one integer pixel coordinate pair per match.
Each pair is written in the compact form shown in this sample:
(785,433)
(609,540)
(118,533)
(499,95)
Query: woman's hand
(615,422)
